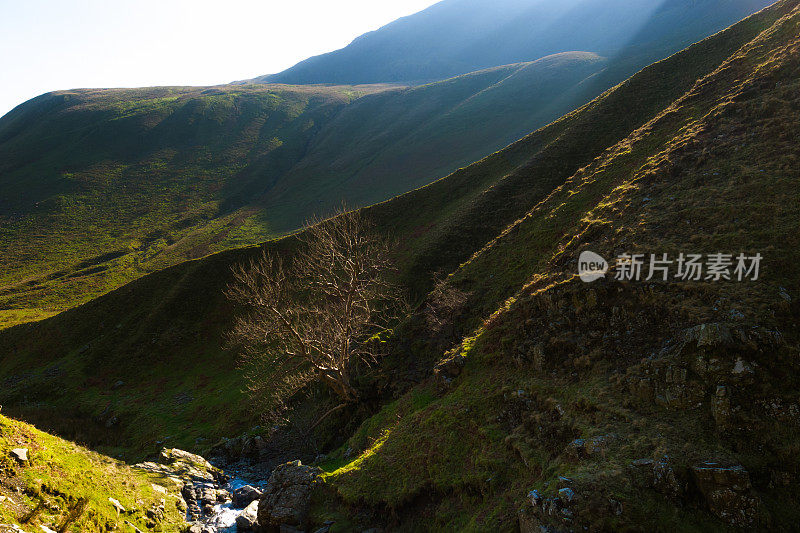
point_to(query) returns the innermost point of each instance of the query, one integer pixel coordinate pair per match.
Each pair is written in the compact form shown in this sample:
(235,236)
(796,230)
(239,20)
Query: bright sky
(47,45)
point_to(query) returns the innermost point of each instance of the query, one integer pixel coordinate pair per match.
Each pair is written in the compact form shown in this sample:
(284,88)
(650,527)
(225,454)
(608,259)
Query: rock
(665,480)
(721,406)
(248,519)
(287,496)
(46,529)
(641,472)
(244,495)
(567,495)
(20,454)
(208,509)
(588,448)
(728,493)
(711,334)
(118,506)
(449,367)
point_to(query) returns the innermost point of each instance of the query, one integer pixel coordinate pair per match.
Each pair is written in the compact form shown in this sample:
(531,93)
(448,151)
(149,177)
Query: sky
(47,45)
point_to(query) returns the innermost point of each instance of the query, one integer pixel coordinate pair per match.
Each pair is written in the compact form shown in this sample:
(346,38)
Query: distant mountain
(458,36)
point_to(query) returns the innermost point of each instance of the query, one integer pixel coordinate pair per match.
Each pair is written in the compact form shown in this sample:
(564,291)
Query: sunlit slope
(60,480)
(162,335)
(98,187)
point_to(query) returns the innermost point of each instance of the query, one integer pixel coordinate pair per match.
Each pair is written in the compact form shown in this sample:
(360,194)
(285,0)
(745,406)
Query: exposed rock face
(200,480)
(252,447)
(728,493)
(287,497)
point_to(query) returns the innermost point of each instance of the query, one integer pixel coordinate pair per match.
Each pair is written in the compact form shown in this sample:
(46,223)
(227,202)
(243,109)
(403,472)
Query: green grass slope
(101,186)
(60,474)
(162,335)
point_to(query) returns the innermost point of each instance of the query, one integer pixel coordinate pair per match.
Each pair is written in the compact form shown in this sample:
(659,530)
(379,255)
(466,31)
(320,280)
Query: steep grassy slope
(574,386)
(60,475)
(162,335)
(458,36)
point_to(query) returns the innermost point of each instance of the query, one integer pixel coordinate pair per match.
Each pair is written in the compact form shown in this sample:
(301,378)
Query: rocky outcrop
(573,506)
(287,497)
(248,446)
(199,480)
(727,492)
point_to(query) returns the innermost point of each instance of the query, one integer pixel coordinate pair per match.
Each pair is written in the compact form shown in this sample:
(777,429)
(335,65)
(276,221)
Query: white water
(223,520)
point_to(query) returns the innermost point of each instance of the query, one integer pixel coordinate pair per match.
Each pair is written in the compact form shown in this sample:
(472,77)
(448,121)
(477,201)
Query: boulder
(287,497)
(244,495)
(248,519)
(727,492)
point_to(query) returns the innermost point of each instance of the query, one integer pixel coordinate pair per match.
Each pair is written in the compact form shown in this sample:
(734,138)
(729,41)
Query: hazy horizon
(92,44)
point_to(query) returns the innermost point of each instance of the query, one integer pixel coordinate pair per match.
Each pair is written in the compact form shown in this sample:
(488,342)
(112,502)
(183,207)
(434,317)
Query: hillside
(542,401)
(99,187)
(150,326)
(103,186)
(454,37)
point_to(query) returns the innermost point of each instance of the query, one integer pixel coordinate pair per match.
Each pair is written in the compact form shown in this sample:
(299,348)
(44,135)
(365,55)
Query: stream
(223,517)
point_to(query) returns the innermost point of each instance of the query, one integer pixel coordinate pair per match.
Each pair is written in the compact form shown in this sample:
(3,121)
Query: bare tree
(313,317)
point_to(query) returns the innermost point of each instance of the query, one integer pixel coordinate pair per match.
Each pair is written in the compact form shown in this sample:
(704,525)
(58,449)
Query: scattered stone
(46,529)
(589,448)
(287,496)
(20,454)
(567,495)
